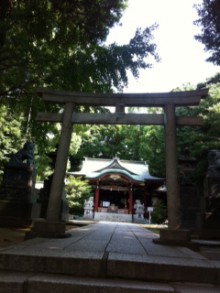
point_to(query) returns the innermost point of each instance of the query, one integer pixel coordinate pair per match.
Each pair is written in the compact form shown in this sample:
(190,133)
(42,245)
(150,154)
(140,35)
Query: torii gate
(52,226)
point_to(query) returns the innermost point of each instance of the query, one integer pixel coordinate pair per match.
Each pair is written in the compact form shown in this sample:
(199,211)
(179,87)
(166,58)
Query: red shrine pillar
(130,200)
(96,202)
(145,198)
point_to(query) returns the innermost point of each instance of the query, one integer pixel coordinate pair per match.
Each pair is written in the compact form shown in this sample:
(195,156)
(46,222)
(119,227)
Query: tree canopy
(61,45)
(209,21)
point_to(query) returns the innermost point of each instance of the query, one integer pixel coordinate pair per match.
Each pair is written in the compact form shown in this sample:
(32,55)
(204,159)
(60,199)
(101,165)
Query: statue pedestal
(48,229)
(17,195)
(88,213)
(210,227)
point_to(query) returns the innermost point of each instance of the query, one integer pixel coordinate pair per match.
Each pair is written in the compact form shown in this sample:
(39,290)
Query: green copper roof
(132,170)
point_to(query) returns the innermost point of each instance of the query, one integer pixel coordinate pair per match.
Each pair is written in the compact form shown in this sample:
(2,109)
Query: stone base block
(138,216)
(88,214)
(177,235)
(48,229)
(180,237)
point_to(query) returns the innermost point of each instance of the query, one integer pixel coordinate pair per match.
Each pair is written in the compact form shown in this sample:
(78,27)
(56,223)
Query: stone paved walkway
(108,251)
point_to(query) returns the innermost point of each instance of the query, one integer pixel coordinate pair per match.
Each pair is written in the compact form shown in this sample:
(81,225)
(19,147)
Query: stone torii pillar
(53,226)
(53,211)
(173,192)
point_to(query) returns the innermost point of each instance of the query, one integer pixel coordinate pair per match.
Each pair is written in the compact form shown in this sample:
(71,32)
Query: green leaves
(10,134)
(60,44)
(77,191)
(209,21)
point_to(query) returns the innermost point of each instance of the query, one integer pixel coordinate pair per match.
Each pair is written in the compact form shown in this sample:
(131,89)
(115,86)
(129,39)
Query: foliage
(198,141)
(10,134)
(109,141)
(147,142)
(126,142)
(159,214)
(209,21)
(61,44)
(152,149)
(77,191)
(214,80)
(34,36)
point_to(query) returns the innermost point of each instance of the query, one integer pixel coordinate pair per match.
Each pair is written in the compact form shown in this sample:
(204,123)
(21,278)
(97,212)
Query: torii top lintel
(185,98)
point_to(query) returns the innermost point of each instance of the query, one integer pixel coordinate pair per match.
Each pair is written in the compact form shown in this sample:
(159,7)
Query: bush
(159,214)
(77,191)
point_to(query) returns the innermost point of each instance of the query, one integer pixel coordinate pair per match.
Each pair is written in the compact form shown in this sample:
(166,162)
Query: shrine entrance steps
(113,217)
(105,257)
(118,217)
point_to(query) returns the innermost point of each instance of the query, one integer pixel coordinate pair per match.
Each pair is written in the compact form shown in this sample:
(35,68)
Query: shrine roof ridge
(140,162)
(125,99)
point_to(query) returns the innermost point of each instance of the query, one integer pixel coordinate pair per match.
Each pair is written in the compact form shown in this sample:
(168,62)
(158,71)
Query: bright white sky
(182,57)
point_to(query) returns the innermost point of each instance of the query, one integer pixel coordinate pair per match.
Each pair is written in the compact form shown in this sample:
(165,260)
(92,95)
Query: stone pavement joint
(103,272)
(112,255)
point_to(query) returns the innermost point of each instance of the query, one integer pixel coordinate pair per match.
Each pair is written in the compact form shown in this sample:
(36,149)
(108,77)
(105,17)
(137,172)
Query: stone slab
(196,288)
(160,268)
(124,241)
(127,246)
(57,284)
(12,282)
(77,264)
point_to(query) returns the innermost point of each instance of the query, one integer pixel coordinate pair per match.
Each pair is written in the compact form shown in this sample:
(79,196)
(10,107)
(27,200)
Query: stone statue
(88,203)
(20,174)
(139,209)
(214,163)
(25,155)
(88,207)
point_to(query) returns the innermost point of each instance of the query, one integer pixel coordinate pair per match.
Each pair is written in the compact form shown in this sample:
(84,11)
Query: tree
(107,142)
(10,135)
(209,21)
(61,44)
(77,191)
(200,140)
(147,142)
(34,36)
(159,214)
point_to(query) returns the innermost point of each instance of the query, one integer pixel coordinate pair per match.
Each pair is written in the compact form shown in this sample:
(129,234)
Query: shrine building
(117,185)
